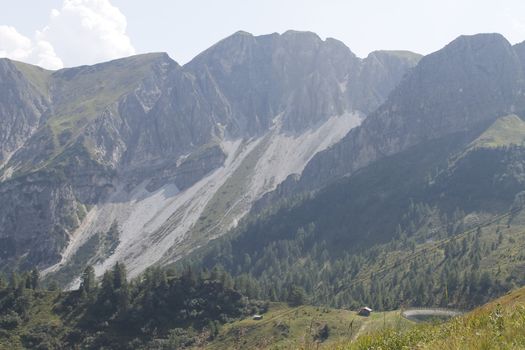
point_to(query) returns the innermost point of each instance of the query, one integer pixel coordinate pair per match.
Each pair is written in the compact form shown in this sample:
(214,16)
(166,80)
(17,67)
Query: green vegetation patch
(506,131)
(159,310)
(38,77)
(85,92)
(303,327)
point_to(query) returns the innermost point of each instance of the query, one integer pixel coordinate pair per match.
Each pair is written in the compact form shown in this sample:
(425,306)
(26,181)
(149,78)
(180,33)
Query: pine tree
(120,285)
(35,276)
(106,294)
(119,275)
(88,284)
(3,282)
(53,286)
(14,280)
(296,296)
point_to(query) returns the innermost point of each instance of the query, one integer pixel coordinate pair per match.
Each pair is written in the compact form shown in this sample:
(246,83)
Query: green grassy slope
(499,324)
(500,245)
(506,131)
(285,327)
(76,97)
(85,92)
(39,77)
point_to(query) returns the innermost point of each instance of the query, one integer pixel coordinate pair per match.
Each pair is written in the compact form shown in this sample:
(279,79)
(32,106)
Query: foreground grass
(497,325)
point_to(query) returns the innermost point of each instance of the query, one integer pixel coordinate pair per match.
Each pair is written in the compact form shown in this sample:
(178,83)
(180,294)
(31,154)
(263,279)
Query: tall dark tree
(296,296)
(119,275)
(35,278)
(121,288)
(89,283)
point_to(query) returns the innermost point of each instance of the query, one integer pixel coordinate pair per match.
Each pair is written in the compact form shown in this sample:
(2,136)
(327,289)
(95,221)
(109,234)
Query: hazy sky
(56,33)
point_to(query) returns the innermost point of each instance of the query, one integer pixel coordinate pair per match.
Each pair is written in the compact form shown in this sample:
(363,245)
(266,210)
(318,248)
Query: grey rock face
(37,212)
(190,170)
(381,72)
(296,74)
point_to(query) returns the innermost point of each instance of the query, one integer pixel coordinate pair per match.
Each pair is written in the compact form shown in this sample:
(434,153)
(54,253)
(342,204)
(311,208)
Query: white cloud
(81,32)
(87,31)
(13,44)
(45,56)
(19,47)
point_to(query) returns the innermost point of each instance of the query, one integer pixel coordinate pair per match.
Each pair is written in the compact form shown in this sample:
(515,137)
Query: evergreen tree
(88,284)
(14,280)
(119,275)
(120,285)
(3,282)
(296,296)
(106,295)
(35,277)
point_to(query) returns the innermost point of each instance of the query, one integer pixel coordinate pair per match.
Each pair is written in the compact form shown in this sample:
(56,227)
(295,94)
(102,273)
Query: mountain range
(142,160)
(269,169)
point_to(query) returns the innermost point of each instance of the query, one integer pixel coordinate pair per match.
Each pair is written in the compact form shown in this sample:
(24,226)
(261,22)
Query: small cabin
(364,311)
(257,317)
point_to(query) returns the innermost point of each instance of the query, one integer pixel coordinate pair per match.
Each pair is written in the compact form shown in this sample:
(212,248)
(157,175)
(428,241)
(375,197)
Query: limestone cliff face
(71,139)
(38,211)
(295,74)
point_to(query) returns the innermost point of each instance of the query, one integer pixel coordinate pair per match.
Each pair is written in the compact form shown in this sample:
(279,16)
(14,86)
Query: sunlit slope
(499,324)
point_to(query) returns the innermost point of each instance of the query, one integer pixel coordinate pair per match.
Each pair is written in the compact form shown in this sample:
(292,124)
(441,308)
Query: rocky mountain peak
(481,41)
(302,40)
